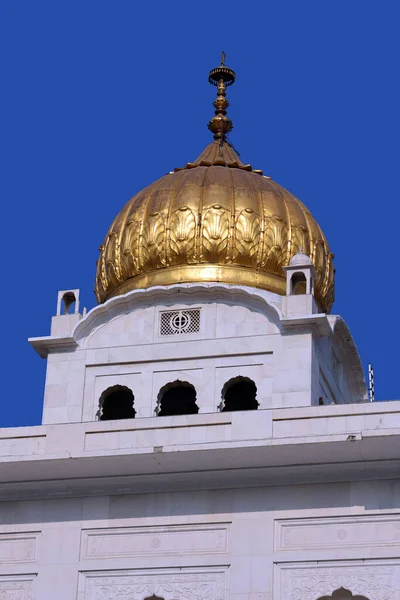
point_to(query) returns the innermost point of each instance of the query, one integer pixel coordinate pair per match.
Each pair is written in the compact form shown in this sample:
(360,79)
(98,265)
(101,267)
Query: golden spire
(221,77)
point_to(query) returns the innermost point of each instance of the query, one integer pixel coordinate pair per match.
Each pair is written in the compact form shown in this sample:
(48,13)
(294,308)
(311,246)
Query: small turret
(300,281)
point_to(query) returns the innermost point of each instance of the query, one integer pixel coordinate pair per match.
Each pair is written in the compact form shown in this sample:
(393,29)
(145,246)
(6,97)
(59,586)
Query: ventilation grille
(180,322)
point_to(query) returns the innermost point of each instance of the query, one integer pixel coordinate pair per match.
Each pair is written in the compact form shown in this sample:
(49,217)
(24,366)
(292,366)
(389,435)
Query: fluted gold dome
(216,220)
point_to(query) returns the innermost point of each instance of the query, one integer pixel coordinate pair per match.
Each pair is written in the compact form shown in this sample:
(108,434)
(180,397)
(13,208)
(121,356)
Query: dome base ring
(203,273)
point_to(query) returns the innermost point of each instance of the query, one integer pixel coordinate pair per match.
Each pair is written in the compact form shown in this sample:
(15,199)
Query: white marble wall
(267,543)
(91,530)
(127,349)
(243,332)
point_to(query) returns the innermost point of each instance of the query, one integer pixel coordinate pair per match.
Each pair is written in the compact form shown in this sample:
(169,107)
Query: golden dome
(216,220)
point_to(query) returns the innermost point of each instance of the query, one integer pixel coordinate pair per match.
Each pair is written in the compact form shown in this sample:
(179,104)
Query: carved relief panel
(209,539)
(185,584)
(16,587)
(16,548)
(317,534)
(376,580)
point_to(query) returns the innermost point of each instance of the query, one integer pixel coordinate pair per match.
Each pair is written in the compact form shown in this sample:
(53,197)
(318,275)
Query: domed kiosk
(205,432)
(216,219)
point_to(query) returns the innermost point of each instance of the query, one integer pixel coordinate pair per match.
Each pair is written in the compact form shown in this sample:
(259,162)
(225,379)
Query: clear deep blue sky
(99,98)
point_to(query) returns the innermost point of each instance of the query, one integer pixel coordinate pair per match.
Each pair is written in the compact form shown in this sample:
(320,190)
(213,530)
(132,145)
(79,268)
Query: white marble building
(206,428)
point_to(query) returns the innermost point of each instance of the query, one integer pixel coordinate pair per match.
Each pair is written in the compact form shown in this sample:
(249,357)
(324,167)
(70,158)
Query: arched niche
(177,398)
(67,302)
(116,402)
(342,594)
(298,284)
(239,393)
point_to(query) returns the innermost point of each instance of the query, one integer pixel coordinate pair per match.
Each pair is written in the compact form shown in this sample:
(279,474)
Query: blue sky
(100,98)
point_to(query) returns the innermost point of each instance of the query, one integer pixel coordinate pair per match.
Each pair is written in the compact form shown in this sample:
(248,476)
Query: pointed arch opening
(116,402)
(177,398)
(239,393)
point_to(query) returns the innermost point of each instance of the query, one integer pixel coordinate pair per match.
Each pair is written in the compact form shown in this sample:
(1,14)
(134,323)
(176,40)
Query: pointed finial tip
(221,77)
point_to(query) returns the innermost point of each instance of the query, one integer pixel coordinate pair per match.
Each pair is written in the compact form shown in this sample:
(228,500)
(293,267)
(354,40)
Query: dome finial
(221,77)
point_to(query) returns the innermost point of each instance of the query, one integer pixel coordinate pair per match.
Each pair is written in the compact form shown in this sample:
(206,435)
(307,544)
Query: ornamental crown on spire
(221,77)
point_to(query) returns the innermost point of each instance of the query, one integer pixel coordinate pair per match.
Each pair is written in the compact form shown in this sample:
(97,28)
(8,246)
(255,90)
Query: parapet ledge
(319,320)
(224,449)
(48,344)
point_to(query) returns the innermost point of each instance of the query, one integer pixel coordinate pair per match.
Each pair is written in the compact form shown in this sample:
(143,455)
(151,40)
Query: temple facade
(206,433)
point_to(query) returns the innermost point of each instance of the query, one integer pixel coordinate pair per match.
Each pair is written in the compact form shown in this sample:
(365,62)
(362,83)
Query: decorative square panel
(179,322)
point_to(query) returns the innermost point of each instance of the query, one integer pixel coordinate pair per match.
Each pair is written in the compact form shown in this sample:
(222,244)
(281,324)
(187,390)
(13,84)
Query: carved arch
(342,594)
(317,582)
(186,585)
(239,393)
(116,402)
(298,283)
(68,300)
(177,398)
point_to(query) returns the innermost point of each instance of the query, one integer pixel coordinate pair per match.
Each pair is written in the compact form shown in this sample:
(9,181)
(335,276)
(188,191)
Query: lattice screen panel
(180,322)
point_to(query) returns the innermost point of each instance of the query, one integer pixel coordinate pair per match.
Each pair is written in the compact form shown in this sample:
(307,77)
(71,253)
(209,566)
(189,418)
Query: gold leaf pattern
(275,245)
(152,247)
(300,240)
(111,259)
(130,250)
(182,236)
(215,234)
(247,237)
(150,234)
(101,286)
(320,264)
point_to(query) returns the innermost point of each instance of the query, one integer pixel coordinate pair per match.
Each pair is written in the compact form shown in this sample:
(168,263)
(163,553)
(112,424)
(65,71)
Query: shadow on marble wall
(280,501)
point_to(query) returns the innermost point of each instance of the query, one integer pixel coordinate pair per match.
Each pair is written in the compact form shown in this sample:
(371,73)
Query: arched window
(68,300)
(239,394)
(116,403)
(177,398)
(342,594)
(298,284)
